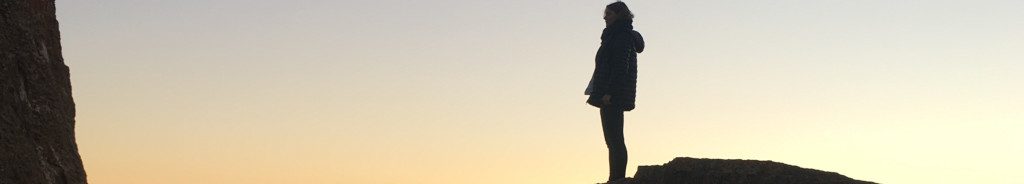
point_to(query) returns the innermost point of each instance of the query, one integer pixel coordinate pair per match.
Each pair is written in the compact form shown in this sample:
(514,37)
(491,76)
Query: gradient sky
(442,91)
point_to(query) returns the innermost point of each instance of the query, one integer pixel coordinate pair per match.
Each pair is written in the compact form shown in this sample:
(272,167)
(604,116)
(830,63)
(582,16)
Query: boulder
(719,171)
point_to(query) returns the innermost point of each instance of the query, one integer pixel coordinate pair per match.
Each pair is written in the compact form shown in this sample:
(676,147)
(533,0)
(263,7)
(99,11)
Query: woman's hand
(605,100)
(594,101)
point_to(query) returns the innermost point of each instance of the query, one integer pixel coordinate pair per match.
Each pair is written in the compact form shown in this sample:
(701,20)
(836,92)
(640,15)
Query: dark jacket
(615,65)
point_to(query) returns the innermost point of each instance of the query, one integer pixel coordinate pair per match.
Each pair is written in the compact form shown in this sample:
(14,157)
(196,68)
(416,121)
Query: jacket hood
(638,42)
(621,28)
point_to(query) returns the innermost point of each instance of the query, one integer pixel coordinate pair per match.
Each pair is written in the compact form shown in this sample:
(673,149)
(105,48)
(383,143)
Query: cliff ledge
(732,171)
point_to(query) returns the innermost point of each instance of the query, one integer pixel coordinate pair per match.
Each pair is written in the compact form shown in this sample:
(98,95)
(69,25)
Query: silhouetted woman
(613,85)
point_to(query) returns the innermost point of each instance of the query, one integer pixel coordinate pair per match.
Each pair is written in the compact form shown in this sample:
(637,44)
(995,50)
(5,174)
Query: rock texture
(37,114)
(698,171)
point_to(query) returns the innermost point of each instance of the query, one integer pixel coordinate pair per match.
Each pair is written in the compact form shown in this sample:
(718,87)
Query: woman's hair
(621,10)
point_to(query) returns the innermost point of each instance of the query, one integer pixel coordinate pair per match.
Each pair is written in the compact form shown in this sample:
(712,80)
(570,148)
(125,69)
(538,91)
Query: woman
(613,85)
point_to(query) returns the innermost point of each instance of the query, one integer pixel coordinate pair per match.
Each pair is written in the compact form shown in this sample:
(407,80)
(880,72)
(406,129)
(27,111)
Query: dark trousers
(611,121)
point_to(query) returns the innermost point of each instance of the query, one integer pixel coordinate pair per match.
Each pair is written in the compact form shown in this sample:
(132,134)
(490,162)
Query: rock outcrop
(718,171)
(37,114)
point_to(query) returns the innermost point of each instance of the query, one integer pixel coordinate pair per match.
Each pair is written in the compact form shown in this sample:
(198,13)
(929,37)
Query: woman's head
(617,11)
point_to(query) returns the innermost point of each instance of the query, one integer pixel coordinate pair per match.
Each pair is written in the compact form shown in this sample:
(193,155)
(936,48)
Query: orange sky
(318,91)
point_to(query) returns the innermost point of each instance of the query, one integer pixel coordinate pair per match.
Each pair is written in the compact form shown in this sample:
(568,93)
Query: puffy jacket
(615,70)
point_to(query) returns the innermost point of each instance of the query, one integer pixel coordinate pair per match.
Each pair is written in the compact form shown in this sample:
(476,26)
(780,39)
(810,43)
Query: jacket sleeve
(613,67)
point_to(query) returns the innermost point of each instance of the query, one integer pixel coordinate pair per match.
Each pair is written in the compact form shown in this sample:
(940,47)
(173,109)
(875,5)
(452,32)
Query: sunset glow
(432,92)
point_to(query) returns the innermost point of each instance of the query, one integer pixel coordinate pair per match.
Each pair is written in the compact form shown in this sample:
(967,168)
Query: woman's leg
(611,121)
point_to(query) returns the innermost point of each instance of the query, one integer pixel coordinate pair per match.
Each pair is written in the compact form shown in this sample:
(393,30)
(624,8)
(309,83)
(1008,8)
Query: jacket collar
(615,28)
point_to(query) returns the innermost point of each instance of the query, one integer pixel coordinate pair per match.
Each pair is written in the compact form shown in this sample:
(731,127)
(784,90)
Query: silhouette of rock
(37,114)
(719,171)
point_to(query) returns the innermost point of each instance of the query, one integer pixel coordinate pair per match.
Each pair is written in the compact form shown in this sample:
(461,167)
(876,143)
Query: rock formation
(37,114)
(717,171)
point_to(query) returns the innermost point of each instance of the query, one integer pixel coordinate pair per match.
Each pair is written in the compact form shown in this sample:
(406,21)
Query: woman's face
(609,17)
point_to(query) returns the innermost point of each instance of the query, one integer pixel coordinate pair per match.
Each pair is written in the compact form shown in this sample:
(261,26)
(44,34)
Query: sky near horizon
(388,91)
